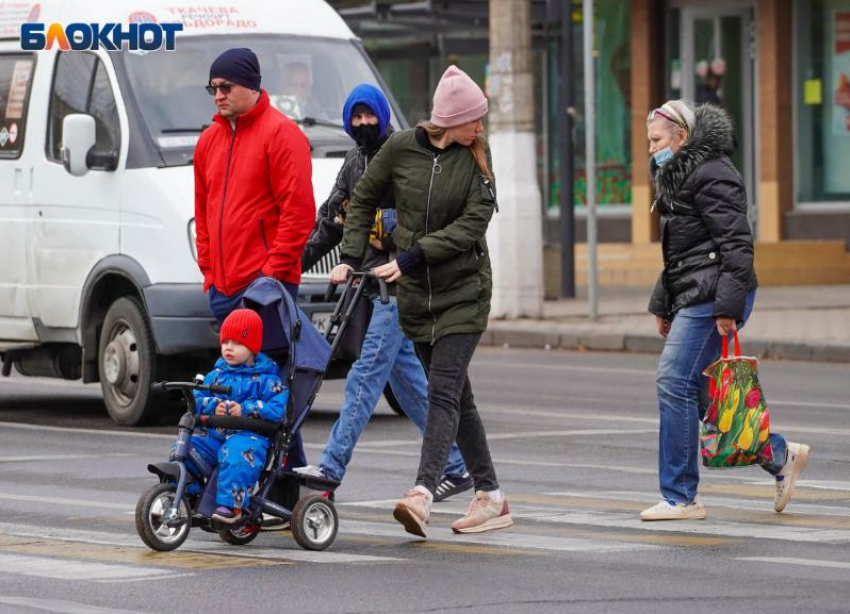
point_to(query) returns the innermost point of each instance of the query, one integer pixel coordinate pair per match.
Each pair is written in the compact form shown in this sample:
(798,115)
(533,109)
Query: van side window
(15,80)
(81,85)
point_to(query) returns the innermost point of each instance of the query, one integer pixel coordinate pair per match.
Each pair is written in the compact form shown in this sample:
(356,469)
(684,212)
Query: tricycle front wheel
(155,523)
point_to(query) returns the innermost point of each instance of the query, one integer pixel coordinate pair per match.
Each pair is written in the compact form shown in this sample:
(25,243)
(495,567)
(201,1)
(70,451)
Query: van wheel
(126,363)
(392,401)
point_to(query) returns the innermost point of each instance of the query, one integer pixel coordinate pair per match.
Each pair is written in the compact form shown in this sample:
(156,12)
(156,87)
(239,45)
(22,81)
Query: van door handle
(19,176)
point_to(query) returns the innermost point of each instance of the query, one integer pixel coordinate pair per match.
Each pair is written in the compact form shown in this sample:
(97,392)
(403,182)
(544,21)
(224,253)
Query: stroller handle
(267,428)
(383,291)
(213,388)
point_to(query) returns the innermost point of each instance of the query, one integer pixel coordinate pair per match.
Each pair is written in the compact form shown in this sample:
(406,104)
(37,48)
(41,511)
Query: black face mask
(367,135)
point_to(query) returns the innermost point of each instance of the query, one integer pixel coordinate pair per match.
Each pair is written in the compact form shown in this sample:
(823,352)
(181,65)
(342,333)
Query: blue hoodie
(373,98)
(257,389)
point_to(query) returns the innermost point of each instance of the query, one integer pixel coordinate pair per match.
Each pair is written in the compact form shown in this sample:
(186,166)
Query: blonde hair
(478,149)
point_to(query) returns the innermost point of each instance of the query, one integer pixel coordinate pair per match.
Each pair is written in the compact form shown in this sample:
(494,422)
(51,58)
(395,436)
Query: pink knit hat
(457,100)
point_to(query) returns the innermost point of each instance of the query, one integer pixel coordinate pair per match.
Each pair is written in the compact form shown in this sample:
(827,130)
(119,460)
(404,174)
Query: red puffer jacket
(254,206)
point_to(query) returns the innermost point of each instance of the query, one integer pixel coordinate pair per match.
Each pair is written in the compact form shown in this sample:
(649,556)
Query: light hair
(676,116)
(478,149)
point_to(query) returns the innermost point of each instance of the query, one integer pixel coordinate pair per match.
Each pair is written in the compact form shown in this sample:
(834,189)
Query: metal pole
(566,161)
(590,156)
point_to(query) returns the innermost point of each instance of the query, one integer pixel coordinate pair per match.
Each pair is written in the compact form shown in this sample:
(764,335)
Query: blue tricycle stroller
(185,495)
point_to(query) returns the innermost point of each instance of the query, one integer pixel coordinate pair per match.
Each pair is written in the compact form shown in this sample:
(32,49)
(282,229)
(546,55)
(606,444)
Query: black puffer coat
(705,236)
(327,233)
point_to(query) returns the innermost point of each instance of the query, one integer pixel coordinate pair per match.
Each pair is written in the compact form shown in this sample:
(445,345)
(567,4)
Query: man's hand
(663,325)
(378,245)
(340,274)
(725,326)
(388,272)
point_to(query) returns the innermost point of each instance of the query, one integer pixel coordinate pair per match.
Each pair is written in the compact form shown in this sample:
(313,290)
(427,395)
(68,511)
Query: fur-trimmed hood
(713,137)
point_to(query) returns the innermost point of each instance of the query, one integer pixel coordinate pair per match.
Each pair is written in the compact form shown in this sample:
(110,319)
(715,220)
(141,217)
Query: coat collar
(713,137)
(243,121)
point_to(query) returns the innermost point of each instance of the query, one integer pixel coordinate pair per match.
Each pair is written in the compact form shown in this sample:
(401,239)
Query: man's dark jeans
(452,415)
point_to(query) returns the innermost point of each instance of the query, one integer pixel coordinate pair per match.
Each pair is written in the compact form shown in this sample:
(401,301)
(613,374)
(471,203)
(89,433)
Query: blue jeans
(221,305)
(692,345)
(387,355)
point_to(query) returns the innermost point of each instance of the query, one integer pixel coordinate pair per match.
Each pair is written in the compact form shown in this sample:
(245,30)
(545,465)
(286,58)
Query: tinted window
(15,80)
(81,85)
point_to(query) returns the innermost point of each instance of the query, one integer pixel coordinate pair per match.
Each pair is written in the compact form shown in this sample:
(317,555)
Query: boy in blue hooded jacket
(256,391)
(387,355)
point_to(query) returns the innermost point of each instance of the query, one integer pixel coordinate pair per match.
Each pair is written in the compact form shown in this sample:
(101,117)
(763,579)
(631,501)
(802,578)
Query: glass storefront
(613,119)
(823,101)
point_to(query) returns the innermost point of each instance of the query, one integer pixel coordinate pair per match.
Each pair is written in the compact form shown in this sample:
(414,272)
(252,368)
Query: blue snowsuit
(240,455)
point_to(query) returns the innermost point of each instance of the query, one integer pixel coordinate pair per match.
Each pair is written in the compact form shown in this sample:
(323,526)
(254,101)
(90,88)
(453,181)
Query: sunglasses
(224,87)
(659,113)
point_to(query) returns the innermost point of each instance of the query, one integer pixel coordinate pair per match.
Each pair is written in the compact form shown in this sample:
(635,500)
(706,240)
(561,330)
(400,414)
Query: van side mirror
(78,137)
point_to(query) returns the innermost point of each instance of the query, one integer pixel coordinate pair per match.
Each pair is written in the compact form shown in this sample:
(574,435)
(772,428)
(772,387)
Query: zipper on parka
(224,198)
(436,169)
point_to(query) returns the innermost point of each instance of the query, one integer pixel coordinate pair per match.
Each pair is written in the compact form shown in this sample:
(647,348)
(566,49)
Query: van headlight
(193,239)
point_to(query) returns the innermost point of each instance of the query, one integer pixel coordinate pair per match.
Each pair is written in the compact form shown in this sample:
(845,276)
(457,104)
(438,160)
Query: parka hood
(373,98)
(713,137)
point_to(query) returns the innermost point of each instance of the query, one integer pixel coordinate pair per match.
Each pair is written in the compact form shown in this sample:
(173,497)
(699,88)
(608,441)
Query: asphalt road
(574,438)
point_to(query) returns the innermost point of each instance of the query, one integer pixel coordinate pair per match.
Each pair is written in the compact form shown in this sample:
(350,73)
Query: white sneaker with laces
(311,470)
(795,462)
(670,510)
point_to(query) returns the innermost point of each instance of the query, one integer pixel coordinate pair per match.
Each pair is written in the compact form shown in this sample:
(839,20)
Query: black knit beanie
(239,66)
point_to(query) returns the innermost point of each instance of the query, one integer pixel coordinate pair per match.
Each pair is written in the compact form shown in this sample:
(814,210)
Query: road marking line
(63,569)
(791,561)
(75,502)
(506,539)
(735,522)
(62,607)
(256,554)
(544,367)
(58,457)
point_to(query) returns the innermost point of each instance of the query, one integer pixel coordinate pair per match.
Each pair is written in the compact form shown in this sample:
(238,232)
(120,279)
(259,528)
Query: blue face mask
(662,156)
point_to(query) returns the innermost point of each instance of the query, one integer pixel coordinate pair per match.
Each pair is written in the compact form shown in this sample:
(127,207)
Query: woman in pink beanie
(439,174)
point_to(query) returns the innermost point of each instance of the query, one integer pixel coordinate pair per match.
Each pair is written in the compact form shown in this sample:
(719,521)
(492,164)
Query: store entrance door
(717,65)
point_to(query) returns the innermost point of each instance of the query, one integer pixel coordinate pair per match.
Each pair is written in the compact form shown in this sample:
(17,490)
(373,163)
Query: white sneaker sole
(691,515)
(499,522)
(802,461)
(412,523)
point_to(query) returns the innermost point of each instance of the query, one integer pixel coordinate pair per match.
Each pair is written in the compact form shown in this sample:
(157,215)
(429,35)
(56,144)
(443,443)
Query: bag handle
(726,345)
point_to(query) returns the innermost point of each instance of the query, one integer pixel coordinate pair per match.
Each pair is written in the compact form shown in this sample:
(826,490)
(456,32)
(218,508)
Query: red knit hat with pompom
(244,326)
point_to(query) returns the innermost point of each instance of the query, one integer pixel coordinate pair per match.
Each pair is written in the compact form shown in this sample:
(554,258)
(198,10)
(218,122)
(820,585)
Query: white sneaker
(798,456)
(669,510)
(311,470)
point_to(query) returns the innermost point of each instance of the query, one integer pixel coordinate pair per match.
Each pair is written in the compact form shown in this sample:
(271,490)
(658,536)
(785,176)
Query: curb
(583,340)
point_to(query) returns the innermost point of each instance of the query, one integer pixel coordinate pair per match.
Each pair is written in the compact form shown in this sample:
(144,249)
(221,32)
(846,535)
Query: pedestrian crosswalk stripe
(792,561)
(60,607)
(64,569)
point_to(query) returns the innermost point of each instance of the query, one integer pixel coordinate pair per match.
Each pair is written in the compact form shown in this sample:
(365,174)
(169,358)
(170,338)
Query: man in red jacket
(254,206)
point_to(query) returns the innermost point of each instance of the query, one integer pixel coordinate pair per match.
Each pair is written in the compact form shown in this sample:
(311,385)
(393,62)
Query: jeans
(221,305)
(692,345)
(452,414)
(386,355)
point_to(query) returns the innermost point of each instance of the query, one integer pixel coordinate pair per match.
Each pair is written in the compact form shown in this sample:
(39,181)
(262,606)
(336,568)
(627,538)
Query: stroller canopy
(286,327)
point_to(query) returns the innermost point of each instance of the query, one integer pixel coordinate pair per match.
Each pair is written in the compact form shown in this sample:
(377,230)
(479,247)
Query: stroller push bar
(346,306)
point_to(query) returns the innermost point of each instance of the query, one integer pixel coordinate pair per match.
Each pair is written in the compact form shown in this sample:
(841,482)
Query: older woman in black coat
(705,292)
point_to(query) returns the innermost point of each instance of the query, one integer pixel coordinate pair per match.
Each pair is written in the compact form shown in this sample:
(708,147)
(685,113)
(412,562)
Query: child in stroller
(252,412)
(257,392)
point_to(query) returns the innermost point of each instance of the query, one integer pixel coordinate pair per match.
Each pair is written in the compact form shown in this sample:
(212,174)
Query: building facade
(780,67)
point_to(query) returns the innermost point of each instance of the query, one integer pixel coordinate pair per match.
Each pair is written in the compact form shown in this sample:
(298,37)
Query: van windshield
(308,79)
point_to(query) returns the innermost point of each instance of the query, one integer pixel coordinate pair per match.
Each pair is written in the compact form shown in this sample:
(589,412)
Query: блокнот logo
(108,36)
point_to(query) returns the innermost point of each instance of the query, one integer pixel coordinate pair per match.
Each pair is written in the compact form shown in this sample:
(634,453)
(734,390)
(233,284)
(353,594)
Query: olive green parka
(444,205)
